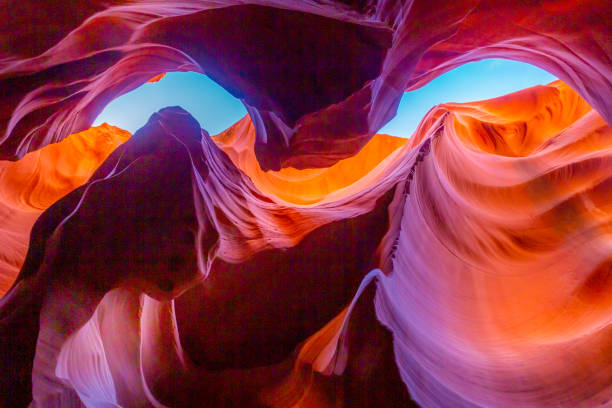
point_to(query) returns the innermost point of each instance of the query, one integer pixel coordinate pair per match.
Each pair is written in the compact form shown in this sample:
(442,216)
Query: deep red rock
(468,266)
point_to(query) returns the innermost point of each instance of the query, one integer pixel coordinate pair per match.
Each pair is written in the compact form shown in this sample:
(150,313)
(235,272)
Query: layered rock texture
(298,259)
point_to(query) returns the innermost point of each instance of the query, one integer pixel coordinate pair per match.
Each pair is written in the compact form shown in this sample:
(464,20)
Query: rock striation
(466,266)
(298,259)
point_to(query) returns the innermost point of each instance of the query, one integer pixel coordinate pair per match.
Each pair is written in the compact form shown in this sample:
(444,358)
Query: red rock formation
(515,202)
(307,186)
(487,234)
(181,276)
(349,61)
(30,185)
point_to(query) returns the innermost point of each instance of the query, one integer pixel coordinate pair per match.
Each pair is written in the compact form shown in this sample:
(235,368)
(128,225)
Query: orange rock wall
(29,186)
(298,259)
(483,243)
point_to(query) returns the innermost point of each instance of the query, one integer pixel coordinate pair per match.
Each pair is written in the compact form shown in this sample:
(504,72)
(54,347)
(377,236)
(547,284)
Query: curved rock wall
(181,274)
(349,63)
(29,186)
(297,259)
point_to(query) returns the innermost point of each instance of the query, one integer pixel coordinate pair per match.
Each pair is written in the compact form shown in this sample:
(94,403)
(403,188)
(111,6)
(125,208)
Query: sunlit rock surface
(318,78)
(469,265)
(30,185)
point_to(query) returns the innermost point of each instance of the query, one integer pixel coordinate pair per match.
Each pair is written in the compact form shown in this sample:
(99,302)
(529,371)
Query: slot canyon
(301,258)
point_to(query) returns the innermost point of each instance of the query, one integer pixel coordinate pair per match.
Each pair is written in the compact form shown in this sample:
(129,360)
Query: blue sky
(216,109)
(470,82)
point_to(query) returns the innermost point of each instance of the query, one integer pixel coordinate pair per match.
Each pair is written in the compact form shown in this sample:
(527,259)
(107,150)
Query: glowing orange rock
(156,78)
(513,309)
(306,186)
(487,234)
(29,186)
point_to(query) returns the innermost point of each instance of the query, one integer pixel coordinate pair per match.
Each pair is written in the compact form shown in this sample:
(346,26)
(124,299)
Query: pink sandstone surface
(298,259)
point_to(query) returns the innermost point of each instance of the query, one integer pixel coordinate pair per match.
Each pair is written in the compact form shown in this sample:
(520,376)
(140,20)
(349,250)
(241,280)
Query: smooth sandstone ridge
(29,186)
(468,266)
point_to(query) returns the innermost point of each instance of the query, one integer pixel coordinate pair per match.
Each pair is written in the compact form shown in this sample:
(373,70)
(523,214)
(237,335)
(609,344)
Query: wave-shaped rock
(467,266)
(29,186)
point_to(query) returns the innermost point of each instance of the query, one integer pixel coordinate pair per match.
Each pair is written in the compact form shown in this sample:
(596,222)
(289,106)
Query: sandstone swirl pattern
(487,233)
(297,259)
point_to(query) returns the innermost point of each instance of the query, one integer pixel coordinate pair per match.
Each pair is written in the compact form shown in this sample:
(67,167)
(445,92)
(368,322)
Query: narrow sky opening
(470,82)
(216,109)
(212,106)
